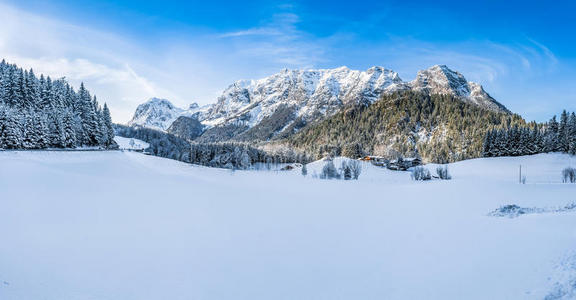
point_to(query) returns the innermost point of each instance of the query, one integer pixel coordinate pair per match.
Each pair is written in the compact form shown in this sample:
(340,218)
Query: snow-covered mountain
(307,94)
(284,101)
(159,113)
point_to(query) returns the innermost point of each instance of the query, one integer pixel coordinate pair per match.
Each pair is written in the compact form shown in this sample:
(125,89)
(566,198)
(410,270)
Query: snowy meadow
(123,225)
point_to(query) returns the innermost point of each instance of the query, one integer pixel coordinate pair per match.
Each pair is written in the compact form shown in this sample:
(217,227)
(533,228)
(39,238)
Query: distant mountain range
(308,95)
(279,106)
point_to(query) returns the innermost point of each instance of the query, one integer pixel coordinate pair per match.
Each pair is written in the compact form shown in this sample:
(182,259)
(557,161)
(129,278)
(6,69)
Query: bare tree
(356,168)
(443,173)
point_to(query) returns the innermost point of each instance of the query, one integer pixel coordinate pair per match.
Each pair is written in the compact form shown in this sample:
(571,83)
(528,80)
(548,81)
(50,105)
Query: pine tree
(108,126)
(46,96)
(488,144)
(69,130)
(563,132)
(40,131)
(572,134)
(3,121)
(56,135)
(89,133)
(14,93)
(12,133)
(551,138)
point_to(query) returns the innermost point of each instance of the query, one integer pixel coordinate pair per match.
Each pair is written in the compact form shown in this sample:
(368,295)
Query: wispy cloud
(278,40)
(281,24)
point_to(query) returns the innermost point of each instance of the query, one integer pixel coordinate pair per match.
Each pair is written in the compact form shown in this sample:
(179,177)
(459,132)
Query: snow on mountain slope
(122,225)
(306,95)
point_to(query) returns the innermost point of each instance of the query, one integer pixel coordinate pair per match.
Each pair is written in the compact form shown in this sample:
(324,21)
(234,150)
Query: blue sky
(523,53)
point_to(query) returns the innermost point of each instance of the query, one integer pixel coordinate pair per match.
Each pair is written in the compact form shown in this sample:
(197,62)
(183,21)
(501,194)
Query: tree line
(38,113)
(230,155)
(533,138)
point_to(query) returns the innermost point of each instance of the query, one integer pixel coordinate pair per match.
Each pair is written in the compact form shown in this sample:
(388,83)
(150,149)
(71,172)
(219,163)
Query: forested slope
(439,128)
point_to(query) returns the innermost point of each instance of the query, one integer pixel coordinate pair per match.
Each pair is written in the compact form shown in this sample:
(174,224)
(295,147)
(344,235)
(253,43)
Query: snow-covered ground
(122,225)
(130,143)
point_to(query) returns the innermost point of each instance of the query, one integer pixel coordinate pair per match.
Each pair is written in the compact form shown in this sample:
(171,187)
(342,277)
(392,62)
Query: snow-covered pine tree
(572,134)
(12,133)
(70,126)
(46,96)
(3,117)
(56,134)
(88,116)
(563,132)
(41,131)
(551,136)
(108,126)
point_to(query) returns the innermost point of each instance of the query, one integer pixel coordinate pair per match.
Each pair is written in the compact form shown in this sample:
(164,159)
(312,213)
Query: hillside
(122,225)
(441,128)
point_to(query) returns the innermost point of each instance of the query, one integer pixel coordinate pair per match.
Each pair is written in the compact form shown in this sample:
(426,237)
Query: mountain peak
(156,113)
(155,100)
(444,68)
(440,79)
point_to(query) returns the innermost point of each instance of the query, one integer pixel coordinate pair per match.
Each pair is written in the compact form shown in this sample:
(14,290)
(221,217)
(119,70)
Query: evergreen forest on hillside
(439,128)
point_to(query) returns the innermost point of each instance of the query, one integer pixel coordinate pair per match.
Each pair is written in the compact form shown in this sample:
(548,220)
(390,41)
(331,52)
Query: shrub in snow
(329,171)
(569,175)
(420,173)
(304,170)
(443,173)
(511,211)
(346,171)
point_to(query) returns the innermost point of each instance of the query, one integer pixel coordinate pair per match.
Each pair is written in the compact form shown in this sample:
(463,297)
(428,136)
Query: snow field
(122,225)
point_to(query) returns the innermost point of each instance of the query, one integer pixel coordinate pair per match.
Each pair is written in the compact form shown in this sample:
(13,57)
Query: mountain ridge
(280,104)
